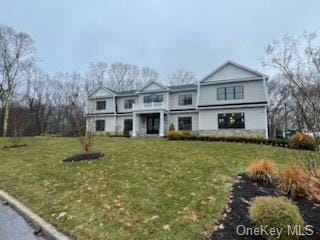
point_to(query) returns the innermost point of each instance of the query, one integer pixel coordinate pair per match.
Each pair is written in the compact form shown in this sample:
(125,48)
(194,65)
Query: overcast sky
(197,35)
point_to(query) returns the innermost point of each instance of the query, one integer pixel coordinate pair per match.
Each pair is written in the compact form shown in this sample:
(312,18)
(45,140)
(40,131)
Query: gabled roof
(229,62)
(150,83)
(104,88)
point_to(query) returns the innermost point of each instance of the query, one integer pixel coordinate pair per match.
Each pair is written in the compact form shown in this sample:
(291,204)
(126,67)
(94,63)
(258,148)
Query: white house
(232,99)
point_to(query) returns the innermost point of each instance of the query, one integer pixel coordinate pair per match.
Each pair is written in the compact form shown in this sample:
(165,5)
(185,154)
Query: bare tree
(182,77)
(96,75)
(298,62)
(148,74)
(123,76)
(16,53)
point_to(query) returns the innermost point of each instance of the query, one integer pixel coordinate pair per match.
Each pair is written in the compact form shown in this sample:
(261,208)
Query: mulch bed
(236,212)
(14,146)
(84,156)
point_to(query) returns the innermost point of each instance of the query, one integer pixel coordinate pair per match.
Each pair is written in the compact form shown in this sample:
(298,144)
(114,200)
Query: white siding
(254,118)
(253,92)
(174,100)
(91,105)
(175,116)
(231,72)
(109,123)
(120,103)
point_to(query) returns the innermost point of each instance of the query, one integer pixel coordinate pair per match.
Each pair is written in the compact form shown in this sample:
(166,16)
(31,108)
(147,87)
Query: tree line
(34,102)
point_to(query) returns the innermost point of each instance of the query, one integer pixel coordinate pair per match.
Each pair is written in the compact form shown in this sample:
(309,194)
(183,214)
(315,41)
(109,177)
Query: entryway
(153,123)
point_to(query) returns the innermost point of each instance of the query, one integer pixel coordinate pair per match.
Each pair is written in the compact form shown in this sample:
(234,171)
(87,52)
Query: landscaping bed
(84,156)
(236,212)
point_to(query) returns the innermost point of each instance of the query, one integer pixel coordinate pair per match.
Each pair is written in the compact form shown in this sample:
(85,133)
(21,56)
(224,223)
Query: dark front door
(153,124)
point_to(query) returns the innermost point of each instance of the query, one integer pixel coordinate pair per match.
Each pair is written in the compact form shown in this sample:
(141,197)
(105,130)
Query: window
(100,125)
(152,98)
(101,105)
(128,103)
(127,124)
(185,123)
(185,100)
(230,120)
(229,93)
(238,92)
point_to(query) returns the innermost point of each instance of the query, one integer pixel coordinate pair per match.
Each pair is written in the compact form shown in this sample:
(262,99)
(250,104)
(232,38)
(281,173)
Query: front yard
(141,189)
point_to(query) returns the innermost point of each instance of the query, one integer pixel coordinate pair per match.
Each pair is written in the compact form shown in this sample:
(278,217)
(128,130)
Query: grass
(141,189)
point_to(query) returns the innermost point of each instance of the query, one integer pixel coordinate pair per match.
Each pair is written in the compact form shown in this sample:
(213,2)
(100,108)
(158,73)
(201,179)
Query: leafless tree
(148,74)
(17,52)
(182,77)
(298,61)
(95,76)
(123,76)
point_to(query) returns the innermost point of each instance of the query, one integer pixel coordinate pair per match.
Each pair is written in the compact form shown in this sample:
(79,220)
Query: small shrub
(103,134)
(302,141)
(174,135)
(293,182)
(171,127)
(276,212)
(261,171)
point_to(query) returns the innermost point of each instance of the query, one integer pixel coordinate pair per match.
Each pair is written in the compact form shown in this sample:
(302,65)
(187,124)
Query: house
(232,99)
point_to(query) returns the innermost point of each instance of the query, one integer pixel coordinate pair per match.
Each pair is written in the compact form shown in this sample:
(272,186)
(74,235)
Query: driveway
(14,227)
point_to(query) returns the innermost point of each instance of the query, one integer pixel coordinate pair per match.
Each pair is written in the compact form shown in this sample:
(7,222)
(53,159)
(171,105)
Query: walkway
(14,227)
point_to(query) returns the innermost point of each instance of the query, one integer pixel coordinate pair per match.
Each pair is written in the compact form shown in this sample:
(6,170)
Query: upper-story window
(185,99)
(230,93)
(101,105)
(128,103)
(153,98)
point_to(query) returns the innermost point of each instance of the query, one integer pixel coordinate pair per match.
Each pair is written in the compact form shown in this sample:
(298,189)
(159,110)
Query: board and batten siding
(254,118)
(174,118)
(253,92)
(174,100)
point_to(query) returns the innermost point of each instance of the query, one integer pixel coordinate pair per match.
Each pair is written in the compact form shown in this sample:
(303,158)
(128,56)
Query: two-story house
(232,99)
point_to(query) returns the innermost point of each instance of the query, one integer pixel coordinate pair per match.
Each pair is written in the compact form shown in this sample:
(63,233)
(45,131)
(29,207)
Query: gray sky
(197,35)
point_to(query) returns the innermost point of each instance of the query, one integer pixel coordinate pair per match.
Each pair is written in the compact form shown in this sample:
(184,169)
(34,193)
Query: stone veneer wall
(260,132)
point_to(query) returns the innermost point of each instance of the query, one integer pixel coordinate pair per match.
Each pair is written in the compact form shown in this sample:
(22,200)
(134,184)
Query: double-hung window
(101,105)
(185,123)
(185,99)
(128,103)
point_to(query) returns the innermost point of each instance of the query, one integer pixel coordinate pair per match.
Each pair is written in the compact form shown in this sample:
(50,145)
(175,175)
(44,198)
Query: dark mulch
(84,156)
(236,212)
(14,146)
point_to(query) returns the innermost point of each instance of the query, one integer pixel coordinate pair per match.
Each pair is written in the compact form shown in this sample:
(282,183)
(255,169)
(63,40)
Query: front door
(153,124)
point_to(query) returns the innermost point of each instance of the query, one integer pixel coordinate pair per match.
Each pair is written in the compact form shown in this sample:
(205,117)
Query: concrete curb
(48,231)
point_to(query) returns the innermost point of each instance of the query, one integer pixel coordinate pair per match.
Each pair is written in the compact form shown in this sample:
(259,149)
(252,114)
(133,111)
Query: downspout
(265,88)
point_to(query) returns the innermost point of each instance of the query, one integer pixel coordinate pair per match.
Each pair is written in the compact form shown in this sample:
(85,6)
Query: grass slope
(141,189)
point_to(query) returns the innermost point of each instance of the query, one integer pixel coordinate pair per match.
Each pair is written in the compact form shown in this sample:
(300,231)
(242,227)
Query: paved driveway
(14,227)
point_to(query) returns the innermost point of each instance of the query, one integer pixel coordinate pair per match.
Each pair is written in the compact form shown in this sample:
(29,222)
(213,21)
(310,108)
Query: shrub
(276,212)
(302,141)
(293,182)
(171,127)
(174,135)
(103,134)
(261,171)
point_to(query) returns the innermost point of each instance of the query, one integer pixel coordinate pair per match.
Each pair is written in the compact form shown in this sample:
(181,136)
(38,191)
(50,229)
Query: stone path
(14,227)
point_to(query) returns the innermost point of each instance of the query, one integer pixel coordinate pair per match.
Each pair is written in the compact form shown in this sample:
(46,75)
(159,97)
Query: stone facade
(259,132)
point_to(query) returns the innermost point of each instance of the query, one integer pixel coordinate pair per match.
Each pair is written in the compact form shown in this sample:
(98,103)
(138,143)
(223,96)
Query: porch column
(134,125)
(161,130)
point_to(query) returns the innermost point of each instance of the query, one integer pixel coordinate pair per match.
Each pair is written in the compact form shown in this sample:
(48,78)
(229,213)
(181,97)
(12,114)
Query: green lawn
(142,188)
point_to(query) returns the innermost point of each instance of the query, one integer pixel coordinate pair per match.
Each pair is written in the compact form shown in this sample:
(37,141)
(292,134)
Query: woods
(46,103)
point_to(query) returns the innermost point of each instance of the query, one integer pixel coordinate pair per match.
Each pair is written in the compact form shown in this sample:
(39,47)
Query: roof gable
(101,92)
(231,70)
(153,86)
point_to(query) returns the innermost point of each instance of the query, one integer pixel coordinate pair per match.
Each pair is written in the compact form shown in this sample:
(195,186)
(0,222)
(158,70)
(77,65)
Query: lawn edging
(47,230)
